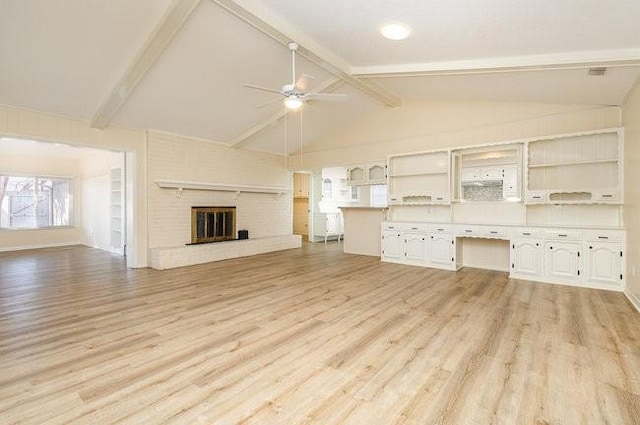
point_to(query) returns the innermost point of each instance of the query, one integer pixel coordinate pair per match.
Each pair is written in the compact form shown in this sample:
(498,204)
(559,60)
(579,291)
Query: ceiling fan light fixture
(293,102)
(395,31)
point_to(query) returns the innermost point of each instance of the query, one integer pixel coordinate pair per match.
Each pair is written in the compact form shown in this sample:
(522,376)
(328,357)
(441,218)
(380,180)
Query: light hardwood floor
(306,336)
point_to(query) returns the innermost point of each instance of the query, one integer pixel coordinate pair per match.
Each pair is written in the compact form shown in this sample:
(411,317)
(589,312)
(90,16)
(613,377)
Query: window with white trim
(32,202)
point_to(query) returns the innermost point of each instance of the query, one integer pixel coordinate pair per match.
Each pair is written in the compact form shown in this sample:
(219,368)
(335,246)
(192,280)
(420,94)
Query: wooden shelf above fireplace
(179,186)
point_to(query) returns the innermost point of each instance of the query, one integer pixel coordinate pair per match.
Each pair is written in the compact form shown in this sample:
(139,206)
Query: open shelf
(223,187)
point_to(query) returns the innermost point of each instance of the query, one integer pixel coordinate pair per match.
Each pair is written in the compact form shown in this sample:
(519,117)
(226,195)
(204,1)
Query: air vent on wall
(597,72)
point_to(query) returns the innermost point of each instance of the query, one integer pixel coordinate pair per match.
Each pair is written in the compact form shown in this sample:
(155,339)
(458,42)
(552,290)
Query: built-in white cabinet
(300,185)
(526,257)
(562,261)
(418,245)
(604,261)
(442,253)
(419,179)
(577,169)
(583,257)
(392,246)
(367,174)
(415,247)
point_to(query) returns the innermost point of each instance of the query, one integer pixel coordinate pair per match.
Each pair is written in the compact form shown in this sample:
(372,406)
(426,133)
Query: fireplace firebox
(212,224)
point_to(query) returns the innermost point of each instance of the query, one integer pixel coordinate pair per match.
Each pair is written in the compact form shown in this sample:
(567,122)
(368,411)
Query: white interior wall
(24,123)
(427,125)
(172,157)
(631,122)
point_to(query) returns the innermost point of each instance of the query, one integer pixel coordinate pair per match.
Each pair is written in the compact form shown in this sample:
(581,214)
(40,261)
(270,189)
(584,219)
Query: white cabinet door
(392,245)
(415,247)
(510,186)
(562,261)
(491,173)
(526,257)
(604,263)
(441,250)
(376,173)
(356,175)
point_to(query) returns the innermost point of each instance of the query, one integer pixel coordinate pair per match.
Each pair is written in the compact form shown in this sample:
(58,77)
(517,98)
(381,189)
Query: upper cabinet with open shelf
(576,169)
(419,178)
(488,173)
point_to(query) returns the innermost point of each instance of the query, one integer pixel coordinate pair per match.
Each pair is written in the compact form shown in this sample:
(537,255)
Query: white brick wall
(172,157)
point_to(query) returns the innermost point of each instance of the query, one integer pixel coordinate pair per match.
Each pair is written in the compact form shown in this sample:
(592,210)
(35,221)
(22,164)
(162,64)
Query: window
(379,195)
(327,189)
(35,202)
(355,193)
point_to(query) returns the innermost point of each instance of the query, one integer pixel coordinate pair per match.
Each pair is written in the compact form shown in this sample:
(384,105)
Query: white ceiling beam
(572,60)
(246,137)
(169,25)
(258,17)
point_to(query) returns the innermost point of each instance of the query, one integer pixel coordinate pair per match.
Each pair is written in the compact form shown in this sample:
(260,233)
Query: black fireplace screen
(213,224)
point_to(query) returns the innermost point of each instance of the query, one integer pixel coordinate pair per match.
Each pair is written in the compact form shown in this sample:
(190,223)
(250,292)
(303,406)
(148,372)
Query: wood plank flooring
(306,336)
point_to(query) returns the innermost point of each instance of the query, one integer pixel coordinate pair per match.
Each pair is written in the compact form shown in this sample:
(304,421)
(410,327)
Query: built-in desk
(362,229)
(580,256)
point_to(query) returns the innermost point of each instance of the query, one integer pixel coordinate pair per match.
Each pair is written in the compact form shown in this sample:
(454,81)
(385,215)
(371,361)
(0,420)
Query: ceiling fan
(294,93)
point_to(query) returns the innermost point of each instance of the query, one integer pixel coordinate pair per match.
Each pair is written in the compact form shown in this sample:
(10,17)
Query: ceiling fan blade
(330,97)
(251,86)
(271,102)
(304,82)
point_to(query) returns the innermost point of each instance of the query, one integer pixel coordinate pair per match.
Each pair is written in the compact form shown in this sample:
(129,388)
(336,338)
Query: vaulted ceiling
(179,65)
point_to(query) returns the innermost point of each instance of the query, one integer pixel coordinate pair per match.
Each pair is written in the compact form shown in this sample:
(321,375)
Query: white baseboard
(633,298)
(51,245)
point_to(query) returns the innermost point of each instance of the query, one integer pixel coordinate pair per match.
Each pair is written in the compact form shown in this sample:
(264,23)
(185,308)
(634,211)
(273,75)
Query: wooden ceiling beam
(272,28)
(169,25)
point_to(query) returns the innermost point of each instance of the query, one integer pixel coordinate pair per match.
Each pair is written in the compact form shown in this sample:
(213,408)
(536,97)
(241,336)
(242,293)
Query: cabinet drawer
(563,235)
(537,196)
(493,232)
(441,228)
(603,195)
(464,230)
(526,233)
(390,225)
(604,236)
(415,227)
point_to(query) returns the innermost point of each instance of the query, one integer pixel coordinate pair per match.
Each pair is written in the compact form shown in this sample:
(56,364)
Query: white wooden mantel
(179,186)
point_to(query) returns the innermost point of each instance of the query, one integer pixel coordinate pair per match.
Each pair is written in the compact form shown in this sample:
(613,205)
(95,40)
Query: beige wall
(172,157)
(24,123)
(16,159)
(418,126)
(631,122)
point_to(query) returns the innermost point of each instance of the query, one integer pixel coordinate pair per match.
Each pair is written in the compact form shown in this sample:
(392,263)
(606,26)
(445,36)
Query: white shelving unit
(116,206)
(576,169)
(419,179)
(555,201)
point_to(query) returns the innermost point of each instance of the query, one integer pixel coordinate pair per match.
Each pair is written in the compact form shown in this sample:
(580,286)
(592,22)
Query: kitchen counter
(362,229)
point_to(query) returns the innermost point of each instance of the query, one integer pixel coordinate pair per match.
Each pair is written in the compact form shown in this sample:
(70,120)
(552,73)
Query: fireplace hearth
(212,224)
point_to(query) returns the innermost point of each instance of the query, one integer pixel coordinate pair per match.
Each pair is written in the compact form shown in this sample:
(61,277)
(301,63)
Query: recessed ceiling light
(395,31)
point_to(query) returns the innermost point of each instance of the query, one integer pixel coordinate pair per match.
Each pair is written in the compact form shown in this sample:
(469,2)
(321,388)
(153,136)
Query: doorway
(301,204)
